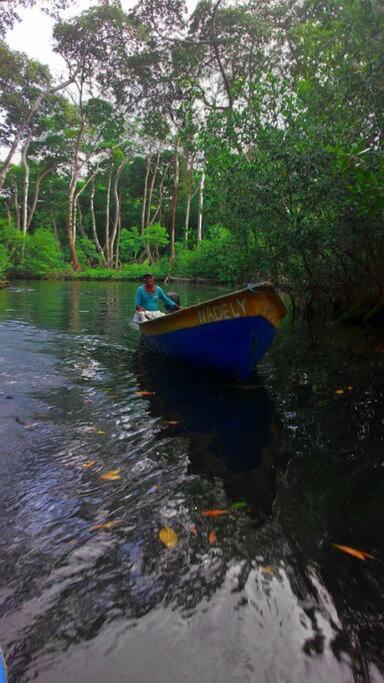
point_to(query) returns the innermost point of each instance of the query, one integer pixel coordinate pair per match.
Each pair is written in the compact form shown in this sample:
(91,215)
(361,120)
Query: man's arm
(167,300)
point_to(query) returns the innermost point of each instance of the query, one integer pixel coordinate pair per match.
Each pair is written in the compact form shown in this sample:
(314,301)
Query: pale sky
(33,35)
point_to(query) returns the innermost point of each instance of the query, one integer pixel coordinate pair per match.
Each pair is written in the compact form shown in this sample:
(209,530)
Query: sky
(33,35)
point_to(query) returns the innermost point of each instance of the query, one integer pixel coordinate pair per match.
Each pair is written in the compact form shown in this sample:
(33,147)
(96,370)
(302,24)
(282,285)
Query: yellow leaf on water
(172,423)
(42,416)
(339,392)
(106,525)
(266,570)
(96,431)
(350,387)
(111,475)
(144,393)
(90,463)
(168,537)
(360,554)
(214,513)
(212,538)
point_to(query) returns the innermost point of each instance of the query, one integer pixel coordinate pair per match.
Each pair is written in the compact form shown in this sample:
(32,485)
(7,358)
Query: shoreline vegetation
(235,143)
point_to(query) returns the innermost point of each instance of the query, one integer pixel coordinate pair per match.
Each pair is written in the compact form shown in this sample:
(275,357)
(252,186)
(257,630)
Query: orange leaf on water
(350,387)
(266,570)
(111,475)
(214,513)
(90,463)
(360,554)
(212,538)
(193,530)
(106,525)
(168,537)
(339,392)
(145,393)
(171,423)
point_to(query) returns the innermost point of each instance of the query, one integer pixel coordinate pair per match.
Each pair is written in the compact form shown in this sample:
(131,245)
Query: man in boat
(147,300)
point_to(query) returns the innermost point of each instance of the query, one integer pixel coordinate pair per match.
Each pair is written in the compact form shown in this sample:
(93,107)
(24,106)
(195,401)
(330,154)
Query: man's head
(149,280)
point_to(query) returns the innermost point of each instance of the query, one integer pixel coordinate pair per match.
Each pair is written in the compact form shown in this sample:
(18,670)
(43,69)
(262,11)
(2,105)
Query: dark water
(272,600)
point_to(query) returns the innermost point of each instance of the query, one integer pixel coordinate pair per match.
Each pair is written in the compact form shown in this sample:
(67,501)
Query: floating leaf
(339,392)
(111,475)
(350,387)
(239,506)
(144,393)
(214,513)
(106,525)
(96,431)
(168,537)
(42,416)
(172,423)
(360,554)
(266,570)
(193,530)
(87,465)
(212,538)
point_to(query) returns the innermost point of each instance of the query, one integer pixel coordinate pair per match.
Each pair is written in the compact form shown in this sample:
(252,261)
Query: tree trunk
(174,204)
(93,221)
(117,251)
(17,207)
(201,206)
(26,185)
(54,225)
(150,193)
(161,194)
(143,210)
(117,210)
(187,212)
(79,211)
(36,195)
(107,217)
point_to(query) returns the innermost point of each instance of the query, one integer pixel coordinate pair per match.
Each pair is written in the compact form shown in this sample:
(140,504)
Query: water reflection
(232,430)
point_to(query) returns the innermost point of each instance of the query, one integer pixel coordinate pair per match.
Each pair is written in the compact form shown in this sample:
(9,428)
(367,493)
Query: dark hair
(147,275)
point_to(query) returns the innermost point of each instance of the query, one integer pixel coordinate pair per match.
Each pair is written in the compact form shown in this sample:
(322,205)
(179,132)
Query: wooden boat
(229,334)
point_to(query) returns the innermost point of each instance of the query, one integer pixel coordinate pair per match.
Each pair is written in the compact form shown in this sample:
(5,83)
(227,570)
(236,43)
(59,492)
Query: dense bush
(4,261)
(42,257)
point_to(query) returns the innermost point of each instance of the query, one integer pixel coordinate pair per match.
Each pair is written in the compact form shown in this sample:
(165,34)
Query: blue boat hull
(232,347)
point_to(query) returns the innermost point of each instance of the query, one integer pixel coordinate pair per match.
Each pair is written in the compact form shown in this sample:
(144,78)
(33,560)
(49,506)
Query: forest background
(234,142)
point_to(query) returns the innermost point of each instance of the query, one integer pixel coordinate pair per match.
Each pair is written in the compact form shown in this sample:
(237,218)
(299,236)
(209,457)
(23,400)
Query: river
(295,458)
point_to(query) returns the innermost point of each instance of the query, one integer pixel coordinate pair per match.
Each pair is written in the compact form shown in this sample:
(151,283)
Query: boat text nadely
(229,334)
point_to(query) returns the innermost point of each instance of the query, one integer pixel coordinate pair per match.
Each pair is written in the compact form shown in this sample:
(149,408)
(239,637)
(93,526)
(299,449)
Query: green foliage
(87,252)
(155,238)
(5,262)
(42,257)
(130,244)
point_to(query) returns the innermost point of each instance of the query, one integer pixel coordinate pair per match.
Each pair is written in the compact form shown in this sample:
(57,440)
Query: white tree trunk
(36,195)
(143,210)
(117,210)
(93,221)
(26,185)
(201,207)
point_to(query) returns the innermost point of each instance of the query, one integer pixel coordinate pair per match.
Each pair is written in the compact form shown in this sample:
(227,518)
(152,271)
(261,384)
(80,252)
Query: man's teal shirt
(150,300)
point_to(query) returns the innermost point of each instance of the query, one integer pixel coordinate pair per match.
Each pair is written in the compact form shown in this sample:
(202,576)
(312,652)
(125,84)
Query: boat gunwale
(262,287)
